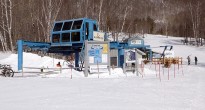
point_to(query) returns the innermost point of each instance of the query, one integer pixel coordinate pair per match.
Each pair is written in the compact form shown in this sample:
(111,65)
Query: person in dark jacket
(189,60)
(195,59)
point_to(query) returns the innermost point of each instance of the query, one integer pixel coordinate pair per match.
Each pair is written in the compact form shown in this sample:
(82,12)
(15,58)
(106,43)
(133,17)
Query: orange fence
(167,60)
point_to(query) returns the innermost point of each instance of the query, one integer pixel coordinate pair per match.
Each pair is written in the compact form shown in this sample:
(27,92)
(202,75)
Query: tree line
(33,19)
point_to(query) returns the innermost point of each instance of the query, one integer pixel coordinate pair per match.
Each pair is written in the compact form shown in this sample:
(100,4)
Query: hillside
(115,91)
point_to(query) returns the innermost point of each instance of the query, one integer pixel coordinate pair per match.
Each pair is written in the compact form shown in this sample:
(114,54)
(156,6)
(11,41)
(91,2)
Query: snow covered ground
(117,91)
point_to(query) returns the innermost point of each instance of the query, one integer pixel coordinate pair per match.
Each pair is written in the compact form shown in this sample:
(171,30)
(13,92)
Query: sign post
(136,63)
(97,57)
(86,59)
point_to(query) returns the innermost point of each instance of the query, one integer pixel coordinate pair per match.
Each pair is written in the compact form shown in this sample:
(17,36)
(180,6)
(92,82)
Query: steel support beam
(150,54)
(120,57)
(20,54)
(76,59)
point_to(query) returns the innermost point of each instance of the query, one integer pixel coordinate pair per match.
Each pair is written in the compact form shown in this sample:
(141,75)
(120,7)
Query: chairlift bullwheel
(8,73)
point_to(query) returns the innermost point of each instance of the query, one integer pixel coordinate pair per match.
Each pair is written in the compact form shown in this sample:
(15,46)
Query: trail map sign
(97,56)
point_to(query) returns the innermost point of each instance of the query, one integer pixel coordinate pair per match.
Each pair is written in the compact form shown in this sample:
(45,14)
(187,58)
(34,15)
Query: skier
(195,58)
(188,58)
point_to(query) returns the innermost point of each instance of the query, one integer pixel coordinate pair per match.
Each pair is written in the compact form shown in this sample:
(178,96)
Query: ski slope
(118,91)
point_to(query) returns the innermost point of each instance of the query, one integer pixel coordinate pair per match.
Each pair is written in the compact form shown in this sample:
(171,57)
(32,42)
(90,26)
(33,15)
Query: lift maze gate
(97,57)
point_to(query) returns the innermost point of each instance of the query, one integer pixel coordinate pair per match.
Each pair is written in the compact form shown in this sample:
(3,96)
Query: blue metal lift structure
(69,37)
(121,46)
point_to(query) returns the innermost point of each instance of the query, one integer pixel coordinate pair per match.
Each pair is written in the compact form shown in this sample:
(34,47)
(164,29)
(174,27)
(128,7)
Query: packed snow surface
(55,90)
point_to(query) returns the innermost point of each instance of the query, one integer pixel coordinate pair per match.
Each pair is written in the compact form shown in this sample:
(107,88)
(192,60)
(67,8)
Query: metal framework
(121,46)
(69,37)
(35,45)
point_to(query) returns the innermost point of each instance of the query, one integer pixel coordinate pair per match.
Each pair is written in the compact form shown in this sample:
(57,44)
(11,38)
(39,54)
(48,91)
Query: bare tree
(99,20)
(50,11)
(32,19)
(2,42)
(128,8)
(6,23)
(195,17)
(3,36)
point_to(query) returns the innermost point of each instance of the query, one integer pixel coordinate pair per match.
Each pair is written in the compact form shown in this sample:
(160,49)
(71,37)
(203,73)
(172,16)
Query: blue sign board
(91,52)
(97,59)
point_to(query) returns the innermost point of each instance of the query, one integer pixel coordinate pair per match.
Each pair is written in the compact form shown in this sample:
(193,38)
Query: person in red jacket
(59,64)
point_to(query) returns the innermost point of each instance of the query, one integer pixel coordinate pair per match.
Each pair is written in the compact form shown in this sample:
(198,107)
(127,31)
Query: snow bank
(36,61)
(116,91)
